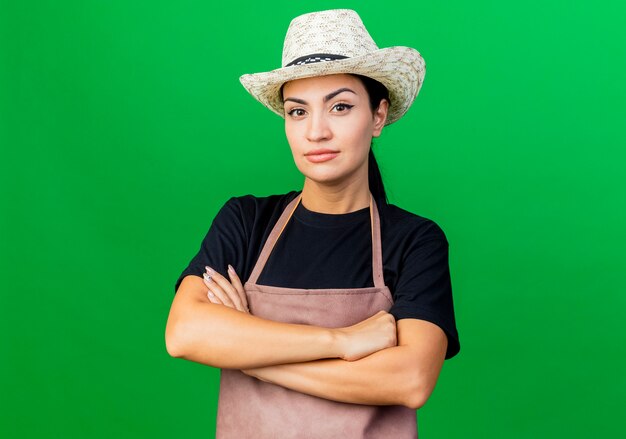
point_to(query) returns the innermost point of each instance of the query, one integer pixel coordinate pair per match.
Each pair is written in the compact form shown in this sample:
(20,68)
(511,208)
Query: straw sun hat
(336,41)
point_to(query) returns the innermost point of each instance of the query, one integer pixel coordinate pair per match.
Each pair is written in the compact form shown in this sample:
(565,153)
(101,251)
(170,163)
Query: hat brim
(400,69)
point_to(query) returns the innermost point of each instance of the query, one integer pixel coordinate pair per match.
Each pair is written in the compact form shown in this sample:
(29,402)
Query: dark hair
(376,92)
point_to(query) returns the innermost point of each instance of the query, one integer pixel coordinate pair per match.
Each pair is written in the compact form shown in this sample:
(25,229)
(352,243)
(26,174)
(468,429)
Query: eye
(296,112)
(342,108)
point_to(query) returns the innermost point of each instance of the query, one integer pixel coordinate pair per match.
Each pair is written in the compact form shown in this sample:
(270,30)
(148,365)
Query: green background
(123,129)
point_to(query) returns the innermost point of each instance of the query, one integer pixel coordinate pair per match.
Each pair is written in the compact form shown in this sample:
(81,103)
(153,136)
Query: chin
(323,178)
(325,174)
(328,177)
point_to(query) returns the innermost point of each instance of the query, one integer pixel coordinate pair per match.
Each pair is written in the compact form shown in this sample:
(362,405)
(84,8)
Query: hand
(224,292)
(368,336)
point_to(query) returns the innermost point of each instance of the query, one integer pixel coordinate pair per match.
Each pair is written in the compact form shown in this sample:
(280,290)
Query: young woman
(328,309)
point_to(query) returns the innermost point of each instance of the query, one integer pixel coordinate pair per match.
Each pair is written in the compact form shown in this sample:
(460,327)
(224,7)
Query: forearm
(223,337)
(382,378)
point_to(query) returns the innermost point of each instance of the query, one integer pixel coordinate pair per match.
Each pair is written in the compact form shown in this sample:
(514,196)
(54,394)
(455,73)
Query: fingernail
(207,277)
(211,294)
(231,269)
(209,270)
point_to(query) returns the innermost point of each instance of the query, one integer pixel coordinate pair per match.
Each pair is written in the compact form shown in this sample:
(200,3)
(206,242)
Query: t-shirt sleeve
(225,243)
(423,289)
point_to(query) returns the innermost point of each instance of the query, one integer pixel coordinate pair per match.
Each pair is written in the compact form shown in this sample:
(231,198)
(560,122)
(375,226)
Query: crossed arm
(218,331)
(405,374)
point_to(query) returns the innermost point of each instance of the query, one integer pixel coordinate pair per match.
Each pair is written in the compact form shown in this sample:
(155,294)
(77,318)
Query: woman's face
(329,126)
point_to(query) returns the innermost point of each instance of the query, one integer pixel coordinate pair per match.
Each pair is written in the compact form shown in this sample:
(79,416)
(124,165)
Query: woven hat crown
(336,32)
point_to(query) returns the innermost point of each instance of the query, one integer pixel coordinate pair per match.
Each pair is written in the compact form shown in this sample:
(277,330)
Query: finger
(211,295)
(213,298)
(234,278)
(217,290)
(223,289)
(229,292)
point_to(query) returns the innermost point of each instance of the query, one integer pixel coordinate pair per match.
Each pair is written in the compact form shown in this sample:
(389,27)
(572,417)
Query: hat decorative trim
(316,57)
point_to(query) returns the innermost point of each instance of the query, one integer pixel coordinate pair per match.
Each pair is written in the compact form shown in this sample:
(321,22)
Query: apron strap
(377,259)
(377,251)
(271,240)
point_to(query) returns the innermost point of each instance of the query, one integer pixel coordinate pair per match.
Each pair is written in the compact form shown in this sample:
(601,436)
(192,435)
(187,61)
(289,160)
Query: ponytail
(377,188)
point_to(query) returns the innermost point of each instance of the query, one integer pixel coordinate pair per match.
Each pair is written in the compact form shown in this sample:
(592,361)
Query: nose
(318,128)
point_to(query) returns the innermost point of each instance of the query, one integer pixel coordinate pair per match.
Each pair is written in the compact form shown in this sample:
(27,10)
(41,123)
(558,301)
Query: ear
(380,116)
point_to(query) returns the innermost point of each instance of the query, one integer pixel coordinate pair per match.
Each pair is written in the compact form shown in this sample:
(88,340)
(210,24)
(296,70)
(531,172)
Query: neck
(335,199)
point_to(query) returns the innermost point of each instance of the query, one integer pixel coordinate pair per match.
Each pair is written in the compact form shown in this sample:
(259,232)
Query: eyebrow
(326,98)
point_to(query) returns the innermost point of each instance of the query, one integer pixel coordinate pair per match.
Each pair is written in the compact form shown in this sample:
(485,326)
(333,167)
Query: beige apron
(251,408)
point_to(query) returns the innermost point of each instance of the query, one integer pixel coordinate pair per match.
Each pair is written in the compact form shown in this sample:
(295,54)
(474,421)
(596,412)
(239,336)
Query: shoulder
(252,208)
(400,222)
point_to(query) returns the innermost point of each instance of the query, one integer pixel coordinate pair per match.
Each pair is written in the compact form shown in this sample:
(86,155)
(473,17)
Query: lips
(321,155)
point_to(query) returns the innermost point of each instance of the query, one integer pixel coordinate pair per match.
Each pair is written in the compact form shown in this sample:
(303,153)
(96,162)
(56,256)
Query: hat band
(316,57)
